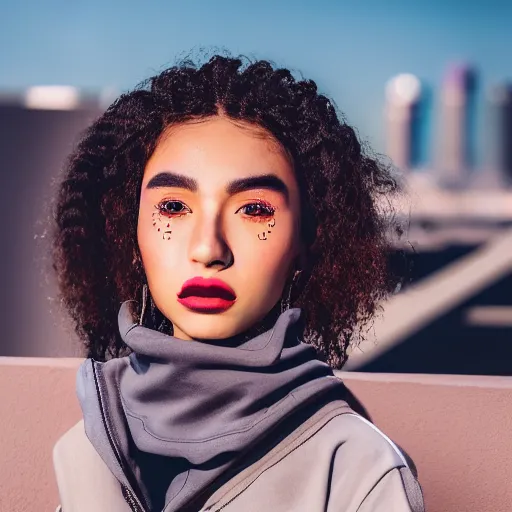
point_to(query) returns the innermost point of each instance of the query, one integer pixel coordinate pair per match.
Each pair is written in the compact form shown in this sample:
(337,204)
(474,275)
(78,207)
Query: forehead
(216,151)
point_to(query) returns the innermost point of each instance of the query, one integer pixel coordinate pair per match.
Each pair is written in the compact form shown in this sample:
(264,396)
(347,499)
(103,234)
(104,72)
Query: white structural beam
(409,311)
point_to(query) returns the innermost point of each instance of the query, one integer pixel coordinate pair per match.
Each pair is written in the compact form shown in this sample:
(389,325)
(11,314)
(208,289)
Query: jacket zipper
(129,494)
(131,500)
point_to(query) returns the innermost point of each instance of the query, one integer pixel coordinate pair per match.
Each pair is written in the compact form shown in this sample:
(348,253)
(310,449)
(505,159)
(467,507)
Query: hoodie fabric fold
(175,415)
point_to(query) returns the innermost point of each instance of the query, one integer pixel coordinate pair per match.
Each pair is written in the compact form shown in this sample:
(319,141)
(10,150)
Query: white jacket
(336,461)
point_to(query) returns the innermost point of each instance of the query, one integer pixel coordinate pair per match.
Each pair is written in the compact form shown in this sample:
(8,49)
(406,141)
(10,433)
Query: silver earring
(286,304)
(144,303)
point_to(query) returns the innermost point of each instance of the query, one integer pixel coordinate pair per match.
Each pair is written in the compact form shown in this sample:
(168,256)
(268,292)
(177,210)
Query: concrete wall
(457,430)
(34,145)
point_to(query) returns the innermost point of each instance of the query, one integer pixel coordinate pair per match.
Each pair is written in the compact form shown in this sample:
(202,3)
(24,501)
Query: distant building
(38,129)
(500,100)
(456,126)
(403,93)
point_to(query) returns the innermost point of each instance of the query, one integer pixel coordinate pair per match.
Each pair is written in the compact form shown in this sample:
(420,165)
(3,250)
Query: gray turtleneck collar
(193,409)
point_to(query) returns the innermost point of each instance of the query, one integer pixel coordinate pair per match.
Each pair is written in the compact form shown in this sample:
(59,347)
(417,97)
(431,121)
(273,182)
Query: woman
(202,206)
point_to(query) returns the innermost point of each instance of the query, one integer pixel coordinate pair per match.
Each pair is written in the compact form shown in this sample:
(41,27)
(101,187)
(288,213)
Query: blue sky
(350,48)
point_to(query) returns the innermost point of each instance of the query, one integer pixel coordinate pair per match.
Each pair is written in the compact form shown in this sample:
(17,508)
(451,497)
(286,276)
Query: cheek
(158,246)
(265,252)
(265,230)
(161,226)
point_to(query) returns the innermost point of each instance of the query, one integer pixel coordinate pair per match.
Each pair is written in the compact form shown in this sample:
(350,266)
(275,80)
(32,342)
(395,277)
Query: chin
(212,330)
(214,326)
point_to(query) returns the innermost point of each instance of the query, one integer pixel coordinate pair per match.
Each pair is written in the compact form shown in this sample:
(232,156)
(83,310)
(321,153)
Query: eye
(257,210)
(174,208)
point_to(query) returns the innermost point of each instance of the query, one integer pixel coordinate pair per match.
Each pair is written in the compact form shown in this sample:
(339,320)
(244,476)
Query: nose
(208,244)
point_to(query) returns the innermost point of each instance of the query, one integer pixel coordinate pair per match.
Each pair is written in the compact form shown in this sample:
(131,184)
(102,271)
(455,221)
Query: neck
(155,320)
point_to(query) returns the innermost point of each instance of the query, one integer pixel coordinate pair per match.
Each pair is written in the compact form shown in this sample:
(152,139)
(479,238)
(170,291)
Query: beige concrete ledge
(477,381)
(456,429)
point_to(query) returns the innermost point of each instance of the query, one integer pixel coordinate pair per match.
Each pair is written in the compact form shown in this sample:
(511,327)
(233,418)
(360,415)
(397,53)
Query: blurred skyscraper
(403,94)
(456,138)
(500,100)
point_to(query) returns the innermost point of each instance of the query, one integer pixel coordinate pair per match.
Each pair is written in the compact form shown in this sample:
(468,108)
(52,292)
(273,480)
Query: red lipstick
(206,295)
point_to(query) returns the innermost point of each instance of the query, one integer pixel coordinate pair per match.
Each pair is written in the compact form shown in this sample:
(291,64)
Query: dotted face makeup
(263,235)
(161,225)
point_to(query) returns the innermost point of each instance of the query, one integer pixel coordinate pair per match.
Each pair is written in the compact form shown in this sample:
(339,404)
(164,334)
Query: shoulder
(366,460)
(354,433)
(336,429)
(72,448)
(74,433)
(335,460)
(83,479)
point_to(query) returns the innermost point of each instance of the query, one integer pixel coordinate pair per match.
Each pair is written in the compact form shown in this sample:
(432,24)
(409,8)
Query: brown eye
(257,210)
(173,208)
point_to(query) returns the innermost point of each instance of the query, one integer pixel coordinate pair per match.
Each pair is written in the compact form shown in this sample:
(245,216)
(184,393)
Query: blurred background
(427,84)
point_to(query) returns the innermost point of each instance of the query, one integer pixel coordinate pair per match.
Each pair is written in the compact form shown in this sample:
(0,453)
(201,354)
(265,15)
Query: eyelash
(161,208)
(268,210)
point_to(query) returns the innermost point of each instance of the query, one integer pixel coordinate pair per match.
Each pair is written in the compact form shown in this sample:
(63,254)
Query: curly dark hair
(95,244)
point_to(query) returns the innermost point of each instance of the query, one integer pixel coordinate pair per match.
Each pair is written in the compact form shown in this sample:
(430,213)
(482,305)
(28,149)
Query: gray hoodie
(200,426)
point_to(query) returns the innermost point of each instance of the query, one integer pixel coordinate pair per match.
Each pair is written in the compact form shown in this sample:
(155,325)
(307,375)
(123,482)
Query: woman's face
(219,201)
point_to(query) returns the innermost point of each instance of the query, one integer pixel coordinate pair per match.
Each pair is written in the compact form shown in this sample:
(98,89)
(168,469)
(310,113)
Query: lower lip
(206,304)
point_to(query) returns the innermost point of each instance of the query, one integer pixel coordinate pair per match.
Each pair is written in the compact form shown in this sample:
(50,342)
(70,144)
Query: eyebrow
(171,179)
(265,181)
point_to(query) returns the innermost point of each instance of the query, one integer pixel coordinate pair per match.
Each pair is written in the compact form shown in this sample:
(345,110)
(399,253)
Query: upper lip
(206,287)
